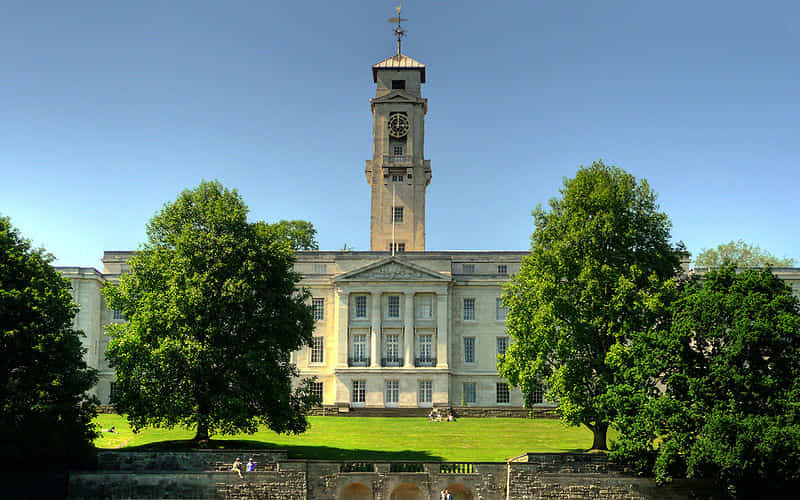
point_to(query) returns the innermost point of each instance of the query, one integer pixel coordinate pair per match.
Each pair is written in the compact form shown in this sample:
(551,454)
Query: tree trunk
(202,429)
(599,430)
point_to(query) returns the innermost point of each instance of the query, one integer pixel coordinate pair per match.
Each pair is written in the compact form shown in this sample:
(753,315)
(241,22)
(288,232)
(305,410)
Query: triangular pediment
(391,269)
(396,96)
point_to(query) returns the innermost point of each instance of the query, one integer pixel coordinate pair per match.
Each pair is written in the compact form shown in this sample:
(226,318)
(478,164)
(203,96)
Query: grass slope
(361,438)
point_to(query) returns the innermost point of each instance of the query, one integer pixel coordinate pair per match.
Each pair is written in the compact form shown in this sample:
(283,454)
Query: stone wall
(207,474)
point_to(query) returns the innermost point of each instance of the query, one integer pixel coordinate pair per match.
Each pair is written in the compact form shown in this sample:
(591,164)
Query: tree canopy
(741,254)
(213,315)
(600,269)
(730,368)
(45,413)
(300,234)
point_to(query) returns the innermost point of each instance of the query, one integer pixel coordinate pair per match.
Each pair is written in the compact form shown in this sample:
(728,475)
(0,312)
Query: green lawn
(362,438)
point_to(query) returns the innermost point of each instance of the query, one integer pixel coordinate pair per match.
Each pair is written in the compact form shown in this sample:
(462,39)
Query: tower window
(397,214)
(399,84)
(397,150)
(397,178)
(398,247)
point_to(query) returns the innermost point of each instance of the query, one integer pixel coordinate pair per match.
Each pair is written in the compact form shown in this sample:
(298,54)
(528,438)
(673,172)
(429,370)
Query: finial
(399,32)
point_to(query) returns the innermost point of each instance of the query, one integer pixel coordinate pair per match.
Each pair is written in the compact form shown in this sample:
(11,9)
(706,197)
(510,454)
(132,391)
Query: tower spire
(399,31)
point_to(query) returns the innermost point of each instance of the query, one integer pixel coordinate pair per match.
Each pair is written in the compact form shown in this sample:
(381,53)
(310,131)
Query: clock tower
(398,174)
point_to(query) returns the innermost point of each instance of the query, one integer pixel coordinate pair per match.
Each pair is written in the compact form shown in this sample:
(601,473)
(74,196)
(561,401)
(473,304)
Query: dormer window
(398,84)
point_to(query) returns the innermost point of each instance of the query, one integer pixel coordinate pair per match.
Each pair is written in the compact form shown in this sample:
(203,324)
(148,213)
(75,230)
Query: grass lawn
(376,438)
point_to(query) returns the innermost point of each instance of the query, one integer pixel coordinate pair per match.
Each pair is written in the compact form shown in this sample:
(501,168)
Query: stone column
(408,329)
(375,334)
(340,312)
(441,330)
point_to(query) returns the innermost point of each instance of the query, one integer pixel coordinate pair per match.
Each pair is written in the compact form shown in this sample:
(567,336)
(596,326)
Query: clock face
(398,125)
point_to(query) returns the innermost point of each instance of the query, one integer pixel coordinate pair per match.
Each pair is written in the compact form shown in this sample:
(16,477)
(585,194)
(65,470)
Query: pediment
(391,269)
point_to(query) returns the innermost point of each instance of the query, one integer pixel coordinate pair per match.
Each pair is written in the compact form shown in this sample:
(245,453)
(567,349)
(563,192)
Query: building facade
(396,326)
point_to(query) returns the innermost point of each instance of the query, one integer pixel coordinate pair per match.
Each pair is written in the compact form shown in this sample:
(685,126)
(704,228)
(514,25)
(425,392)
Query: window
(424,306)
(469,309)
(320,268)
(397,178)
(360,307)
(397,214)
(117,315)
(399,84)
(397,150)
(111,390)
(316,390)
(359,357)
(501,311)
(392,350)
(536,397)
(392,395)
(359,394)
(468,268)
(393,306)
(502,345)
(398,247)
(469,392)
(502,393)
(425,393)
(469,349)
(318,305)
(425,351)
(502,268)
(316,350)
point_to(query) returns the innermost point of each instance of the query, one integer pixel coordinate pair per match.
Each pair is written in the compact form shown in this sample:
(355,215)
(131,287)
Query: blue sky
(107,111)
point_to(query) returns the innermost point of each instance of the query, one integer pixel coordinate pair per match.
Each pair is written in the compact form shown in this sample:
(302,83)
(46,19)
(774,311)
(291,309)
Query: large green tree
(730,368)
(45,412)
(600,270)
(741,254)
(213,314)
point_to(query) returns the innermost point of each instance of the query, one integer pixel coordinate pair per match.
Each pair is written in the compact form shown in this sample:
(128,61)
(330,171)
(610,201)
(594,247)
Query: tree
(300,234)
(213,314)
(741,254)
(730,368)
(600,270)
(45,412)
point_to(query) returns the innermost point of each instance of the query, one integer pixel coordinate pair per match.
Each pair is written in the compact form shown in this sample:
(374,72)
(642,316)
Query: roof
(398,61)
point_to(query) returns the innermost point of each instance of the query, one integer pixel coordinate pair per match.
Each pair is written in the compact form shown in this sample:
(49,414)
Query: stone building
(396,326)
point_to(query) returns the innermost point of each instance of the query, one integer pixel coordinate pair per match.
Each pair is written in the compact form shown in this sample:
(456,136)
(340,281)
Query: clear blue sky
(109,111)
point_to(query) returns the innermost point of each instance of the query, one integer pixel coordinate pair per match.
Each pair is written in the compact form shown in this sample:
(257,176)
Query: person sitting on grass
(451,417)
(432,415)
(112,429)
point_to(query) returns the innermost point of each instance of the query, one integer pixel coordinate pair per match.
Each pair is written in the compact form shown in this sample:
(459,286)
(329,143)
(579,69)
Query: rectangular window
(424,306)
(536,396)
(469,349)
(111,390)
(392,396)
(318,305)
(502,268)
(360,357)
(392,350)
(469,309)
(469,393)
(398,247)
(359,394)
(118,316)
(320,268)
(425,393)
(360,309)
(393,306)
(468,268)
(317,350)
(502,345)
(425,351)
(397,150)
(501,311)
(502,393)
(397,178)
(397,214)
(316,390)
(398,84)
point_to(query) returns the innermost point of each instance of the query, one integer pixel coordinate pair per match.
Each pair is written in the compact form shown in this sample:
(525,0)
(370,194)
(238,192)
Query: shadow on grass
(295,452)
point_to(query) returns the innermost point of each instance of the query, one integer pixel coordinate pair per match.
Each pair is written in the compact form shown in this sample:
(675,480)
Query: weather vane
(399,32)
